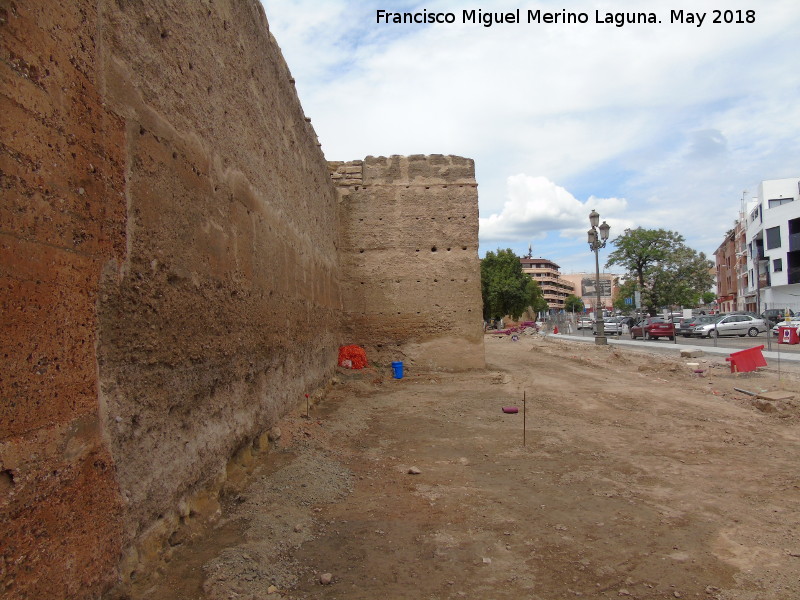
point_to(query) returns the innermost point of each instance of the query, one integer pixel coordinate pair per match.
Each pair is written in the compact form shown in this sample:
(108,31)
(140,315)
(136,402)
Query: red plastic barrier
(787,335)
(748,360)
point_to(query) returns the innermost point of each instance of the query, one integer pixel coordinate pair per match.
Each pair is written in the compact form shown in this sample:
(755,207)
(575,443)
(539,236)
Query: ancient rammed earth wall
(169,278)
(62,218)
(409,249)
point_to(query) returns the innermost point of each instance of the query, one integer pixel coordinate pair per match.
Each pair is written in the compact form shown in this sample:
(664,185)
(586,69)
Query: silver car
(612,326)
(740,325)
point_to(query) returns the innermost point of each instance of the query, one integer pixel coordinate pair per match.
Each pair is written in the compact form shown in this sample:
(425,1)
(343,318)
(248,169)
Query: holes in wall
(174,155)
(361,251)
(463,247)
(433,249)
(448,249)
(142,131)
(6,479)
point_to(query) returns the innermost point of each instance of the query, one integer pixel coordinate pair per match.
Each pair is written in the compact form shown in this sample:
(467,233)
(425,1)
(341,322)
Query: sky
(656,125)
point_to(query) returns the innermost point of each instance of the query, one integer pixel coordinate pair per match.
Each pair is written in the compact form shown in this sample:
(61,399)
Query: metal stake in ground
(524,414)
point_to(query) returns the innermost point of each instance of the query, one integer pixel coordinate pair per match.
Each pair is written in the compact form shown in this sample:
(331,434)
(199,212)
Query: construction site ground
(633,477)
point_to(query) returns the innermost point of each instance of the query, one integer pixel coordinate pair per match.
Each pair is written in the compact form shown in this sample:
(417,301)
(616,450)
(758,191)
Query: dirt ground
(634,478)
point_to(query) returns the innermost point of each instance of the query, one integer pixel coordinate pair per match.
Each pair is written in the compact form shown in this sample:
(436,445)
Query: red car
(652,328)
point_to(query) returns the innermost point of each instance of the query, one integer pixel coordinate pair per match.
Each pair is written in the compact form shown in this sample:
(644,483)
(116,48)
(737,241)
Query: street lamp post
(597,239)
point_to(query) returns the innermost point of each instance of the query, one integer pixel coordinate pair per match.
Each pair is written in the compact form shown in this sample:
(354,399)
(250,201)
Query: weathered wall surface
(411,286)
(62,218)
(170,280)
(226,307)
(171,273)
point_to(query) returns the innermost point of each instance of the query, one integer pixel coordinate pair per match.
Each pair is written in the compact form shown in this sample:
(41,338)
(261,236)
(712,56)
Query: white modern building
(773,246)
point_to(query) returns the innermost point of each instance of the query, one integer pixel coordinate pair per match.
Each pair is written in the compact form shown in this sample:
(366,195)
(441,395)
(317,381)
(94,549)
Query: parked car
(794,322)
(745,312)
(585,323)
(653,328)
(773,316)
(613,325)
(733,324)
(686,326)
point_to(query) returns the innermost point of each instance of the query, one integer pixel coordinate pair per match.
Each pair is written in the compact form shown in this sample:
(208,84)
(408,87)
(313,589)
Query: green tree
(506,290)
(662,267)
(573,304)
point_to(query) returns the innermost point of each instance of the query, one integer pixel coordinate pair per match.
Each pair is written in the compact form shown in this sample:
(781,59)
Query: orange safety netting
(353,357)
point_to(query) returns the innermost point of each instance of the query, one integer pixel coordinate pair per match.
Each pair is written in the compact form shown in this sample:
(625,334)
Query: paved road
(731,344)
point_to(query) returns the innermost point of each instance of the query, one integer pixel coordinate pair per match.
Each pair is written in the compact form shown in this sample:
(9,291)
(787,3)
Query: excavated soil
(634,477)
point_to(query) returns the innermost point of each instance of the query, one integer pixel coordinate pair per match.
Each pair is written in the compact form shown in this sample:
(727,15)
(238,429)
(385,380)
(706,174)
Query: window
(779,201)
(773,238)
(777,265)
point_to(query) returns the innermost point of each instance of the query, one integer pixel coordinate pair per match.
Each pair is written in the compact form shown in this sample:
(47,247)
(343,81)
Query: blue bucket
(397,366)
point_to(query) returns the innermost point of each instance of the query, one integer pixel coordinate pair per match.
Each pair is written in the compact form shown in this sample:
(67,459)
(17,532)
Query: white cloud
(536,206)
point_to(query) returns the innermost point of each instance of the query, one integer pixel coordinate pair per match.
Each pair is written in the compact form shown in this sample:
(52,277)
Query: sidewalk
(661,347)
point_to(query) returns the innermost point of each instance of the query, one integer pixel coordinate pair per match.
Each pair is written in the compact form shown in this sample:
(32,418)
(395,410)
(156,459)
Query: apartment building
(554,288)
(727,278)
(772,247)
(586,284)
(730,271)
